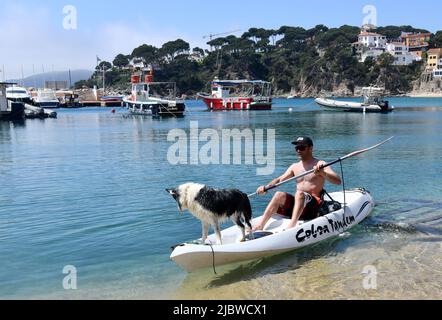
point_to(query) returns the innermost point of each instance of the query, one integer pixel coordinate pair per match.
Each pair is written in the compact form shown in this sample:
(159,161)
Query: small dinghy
(275,239)
(373,102)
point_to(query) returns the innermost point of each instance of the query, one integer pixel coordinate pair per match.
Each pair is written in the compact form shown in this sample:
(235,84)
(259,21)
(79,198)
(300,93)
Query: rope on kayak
(343,187)
(213,257)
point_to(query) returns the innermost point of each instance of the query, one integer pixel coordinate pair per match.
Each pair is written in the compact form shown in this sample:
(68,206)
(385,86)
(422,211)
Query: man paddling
(306,202)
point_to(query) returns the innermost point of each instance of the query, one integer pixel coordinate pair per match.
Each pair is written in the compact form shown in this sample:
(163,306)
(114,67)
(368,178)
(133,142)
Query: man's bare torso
(312,184)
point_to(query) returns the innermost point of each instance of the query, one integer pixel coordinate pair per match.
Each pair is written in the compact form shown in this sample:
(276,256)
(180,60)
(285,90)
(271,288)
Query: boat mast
(103,78)
(33,75)
(44,76)
(22,77)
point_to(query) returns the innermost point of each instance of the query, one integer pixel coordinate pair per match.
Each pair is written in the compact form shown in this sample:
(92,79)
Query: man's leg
(297,209)
(277,201)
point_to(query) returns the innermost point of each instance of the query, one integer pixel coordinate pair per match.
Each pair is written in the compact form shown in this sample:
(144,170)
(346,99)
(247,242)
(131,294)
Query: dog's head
(175,193)
(185,194)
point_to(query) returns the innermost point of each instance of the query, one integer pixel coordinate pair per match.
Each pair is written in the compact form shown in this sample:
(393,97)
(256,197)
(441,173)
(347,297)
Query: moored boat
(372,102)
(111,101)
(15,93)
(156,99)
(46,98)
(238,95)
(9,110)
(274,239)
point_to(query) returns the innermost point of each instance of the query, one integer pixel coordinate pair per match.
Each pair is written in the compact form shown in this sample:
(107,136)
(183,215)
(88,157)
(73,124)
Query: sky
(38,36)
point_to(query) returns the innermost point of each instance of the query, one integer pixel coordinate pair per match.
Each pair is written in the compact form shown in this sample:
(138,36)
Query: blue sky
(32,31)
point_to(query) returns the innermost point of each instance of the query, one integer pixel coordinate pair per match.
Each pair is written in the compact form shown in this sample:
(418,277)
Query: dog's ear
(175,194)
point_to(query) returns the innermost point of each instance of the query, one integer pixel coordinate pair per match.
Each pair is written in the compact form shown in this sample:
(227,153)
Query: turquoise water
(87,189)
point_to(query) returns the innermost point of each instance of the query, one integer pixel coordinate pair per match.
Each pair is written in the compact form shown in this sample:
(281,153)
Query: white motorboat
(9,110)
(275,239)
(46,98)
(373,102)
(18,94)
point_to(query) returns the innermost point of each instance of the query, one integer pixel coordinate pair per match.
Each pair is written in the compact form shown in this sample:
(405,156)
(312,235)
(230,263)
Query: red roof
(437,51)
(370,34)
(416,35)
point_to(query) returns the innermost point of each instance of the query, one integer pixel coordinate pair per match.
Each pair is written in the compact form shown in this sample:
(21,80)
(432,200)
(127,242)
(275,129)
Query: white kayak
(274,239)
(352,106)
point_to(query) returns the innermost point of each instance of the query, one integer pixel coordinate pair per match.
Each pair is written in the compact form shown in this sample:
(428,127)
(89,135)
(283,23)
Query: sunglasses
(300,148)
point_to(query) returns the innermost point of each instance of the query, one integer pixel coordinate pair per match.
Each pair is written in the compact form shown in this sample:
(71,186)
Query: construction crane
(211,36)
(219,51)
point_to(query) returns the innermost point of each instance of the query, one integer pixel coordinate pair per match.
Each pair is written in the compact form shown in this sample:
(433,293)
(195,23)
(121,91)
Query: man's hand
(261,190)
(319,169)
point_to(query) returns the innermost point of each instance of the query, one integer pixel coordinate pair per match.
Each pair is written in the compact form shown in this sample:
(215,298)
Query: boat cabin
(242,88)
(373,95)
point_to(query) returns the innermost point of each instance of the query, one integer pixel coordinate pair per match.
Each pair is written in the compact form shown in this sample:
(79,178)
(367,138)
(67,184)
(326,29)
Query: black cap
(303,141)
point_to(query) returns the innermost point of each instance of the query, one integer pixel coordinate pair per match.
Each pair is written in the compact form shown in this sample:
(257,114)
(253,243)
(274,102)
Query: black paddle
(353,154)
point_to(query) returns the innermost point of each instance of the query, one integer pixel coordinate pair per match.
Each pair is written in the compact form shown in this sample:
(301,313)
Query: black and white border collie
(213,206)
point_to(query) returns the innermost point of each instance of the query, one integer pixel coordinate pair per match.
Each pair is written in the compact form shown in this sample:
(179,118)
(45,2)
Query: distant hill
(38,80)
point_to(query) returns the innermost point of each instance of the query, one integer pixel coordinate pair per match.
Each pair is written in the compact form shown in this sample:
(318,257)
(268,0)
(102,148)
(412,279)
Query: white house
(372,52)
(398,48)
(372,40)
(136,62)
(437,73)
(370,45)
(402,55)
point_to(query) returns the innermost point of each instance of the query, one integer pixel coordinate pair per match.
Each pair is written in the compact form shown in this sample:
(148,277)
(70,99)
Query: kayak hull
(192,257)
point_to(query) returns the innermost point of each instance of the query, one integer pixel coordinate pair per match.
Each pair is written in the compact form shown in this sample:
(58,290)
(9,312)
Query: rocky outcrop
(427,85)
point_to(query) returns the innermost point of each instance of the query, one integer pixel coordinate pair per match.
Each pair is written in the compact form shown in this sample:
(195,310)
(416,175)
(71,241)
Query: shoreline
(338,95)
(424,95)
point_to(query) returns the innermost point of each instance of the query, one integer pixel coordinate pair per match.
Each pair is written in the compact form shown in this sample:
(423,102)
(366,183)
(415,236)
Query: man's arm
(327,173)
(287,175)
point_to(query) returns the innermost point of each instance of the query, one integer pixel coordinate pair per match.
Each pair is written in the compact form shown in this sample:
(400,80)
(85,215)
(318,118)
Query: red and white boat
(238,95)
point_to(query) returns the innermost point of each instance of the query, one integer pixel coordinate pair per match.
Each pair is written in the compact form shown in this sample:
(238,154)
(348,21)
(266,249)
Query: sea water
(87,191)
